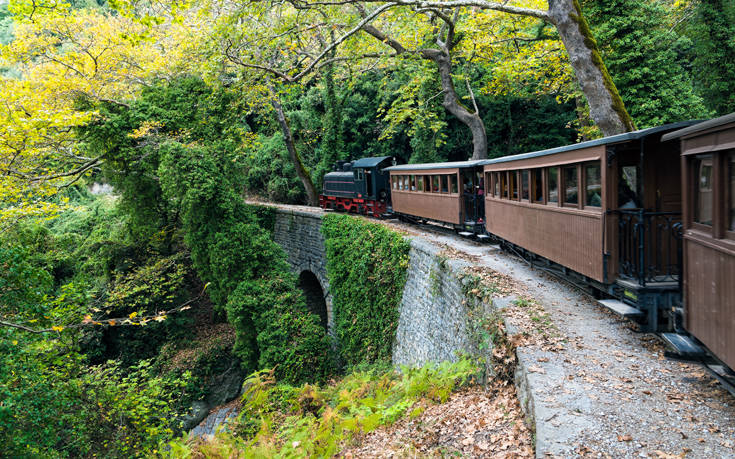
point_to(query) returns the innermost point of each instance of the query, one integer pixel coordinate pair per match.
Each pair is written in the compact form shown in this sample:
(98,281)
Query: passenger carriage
(708,183)
(606,213)
(449,193)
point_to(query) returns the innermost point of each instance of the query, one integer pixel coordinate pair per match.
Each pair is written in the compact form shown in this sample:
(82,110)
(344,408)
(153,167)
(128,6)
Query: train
(644,221)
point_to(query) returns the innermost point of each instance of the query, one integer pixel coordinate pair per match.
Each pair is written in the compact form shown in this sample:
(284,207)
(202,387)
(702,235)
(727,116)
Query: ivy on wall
(366,265)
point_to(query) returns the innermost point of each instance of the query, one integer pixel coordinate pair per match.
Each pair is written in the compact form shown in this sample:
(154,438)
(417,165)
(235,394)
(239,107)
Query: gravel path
(604,390)
(609,391)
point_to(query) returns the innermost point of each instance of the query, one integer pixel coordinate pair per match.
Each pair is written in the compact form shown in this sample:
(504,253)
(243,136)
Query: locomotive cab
(372,182)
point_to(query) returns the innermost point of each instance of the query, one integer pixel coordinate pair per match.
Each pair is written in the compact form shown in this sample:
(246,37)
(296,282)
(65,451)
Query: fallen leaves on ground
(475,422)
(503,284)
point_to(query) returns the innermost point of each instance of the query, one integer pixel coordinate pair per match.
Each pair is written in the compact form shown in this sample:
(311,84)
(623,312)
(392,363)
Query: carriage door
(369,183)
(473,196)
(649,217)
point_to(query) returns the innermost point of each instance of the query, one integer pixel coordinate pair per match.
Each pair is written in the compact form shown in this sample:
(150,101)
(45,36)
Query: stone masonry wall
(432,323)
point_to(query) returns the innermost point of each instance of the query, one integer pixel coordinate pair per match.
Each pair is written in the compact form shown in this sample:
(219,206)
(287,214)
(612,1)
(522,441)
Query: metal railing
(649,245)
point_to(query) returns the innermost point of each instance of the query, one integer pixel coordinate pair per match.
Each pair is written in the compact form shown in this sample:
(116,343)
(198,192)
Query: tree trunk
(312,196)
(452,104)
(606,106)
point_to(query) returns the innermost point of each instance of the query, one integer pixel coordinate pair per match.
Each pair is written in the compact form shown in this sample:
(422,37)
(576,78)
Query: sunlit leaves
(67,62)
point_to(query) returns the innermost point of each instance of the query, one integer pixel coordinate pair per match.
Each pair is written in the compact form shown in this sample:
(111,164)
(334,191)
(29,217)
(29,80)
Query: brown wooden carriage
(449,193)
(605,212)
(708,184)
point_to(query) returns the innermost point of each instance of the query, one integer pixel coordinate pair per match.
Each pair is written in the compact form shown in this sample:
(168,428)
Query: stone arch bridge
(432,323)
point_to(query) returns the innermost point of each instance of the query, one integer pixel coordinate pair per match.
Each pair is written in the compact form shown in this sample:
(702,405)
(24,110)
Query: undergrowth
(279,420)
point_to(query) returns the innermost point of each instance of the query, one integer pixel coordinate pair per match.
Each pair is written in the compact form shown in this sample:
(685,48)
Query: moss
(589,41)
(436,275)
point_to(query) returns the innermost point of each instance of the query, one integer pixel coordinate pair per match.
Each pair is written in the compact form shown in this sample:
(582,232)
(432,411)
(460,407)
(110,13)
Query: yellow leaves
(57,328)
(133,315)
(147,128)
(63,56)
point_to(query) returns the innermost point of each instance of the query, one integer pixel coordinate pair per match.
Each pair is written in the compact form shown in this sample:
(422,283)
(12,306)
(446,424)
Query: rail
(649,246)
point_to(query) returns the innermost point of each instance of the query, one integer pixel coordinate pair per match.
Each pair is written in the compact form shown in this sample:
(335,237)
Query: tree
(640,50)
(711,26)
(291,43)
(65,63)
(445,40)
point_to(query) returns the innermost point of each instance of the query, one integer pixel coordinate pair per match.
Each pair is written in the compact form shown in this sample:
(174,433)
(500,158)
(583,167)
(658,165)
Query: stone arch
(318,299)
(315,297)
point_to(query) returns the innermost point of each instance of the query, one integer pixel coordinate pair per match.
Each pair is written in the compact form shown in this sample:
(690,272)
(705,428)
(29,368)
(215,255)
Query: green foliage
(639,49)
(54,405)
(712,31)
(310,421)
(179,157)
(136,409)
(366,265)
(248,272)
(161,284)
(265,216)
(269,172)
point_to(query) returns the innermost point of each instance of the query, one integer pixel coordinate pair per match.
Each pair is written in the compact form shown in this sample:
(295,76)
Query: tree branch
(496,6)
(118,321)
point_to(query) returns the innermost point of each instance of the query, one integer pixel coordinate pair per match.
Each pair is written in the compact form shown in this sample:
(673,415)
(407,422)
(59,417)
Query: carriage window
(570,185)
(412,183)
(488,183)
(513,180)
(406,186)
(394,179)
(445,185)
(593,185)
(524,185)
(496,184)
(731,180)
(703,190)
(553,184)
(427,183)
(504,185)
(453,183)
(537,182)
(434,183)
(420,183)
